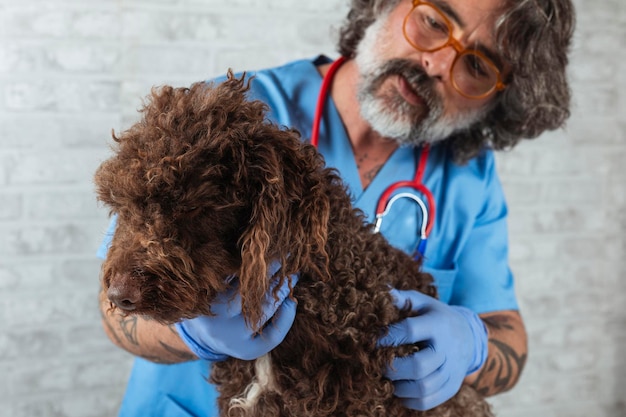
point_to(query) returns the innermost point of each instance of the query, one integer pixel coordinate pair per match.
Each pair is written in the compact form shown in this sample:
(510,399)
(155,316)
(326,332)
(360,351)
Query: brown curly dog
(205,187)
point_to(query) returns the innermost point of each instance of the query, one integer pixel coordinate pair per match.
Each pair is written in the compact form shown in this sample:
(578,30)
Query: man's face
(406,94)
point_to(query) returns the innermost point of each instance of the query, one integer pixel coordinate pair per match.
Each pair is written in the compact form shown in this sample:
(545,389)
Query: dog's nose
(124,295)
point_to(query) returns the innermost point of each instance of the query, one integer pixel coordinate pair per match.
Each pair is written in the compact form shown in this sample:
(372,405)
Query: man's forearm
(143,337)
(508,350)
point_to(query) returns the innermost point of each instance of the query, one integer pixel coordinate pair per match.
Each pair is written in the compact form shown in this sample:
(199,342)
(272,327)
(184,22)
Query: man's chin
(408,124)
(415,134)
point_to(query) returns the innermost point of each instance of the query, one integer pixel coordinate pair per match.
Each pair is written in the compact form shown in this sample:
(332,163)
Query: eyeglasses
(473,75)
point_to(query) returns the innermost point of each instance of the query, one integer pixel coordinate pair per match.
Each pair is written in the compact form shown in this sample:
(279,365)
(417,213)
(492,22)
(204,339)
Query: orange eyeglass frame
(458,47)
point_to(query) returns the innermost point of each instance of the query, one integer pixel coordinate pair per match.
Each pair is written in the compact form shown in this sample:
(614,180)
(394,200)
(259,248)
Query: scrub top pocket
(444,280)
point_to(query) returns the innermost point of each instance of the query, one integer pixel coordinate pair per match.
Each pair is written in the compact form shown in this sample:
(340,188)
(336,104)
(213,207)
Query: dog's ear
(288,220)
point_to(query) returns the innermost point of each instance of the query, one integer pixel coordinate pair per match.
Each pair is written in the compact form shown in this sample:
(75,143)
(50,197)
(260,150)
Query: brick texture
(72,70)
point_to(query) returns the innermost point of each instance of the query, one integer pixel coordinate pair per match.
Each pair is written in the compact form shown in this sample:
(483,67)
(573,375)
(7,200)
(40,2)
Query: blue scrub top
(467,250)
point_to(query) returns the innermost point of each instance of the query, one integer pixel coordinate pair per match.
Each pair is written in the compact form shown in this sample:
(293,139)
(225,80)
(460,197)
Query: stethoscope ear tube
(420,203)
(421,246)
(385,201)
(321,99)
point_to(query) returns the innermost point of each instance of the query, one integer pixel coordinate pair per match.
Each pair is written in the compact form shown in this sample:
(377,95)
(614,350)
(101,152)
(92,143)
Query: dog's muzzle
(124,292)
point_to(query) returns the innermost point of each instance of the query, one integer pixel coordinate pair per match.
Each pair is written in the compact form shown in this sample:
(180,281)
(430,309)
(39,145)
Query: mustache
(414,74)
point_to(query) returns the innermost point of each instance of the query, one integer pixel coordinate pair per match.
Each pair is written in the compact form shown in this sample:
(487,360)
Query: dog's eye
(139,271)
(191,211)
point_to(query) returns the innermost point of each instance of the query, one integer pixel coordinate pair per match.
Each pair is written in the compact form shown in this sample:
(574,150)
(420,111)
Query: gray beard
(391,116)
(387,112)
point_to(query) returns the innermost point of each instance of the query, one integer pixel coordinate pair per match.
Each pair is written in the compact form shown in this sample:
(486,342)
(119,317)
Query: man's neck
(370,149)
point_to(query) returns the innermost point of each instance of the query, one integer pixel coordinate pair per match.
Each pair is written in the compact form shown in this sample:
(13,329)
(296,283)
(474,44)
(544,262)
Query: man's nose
(438,64)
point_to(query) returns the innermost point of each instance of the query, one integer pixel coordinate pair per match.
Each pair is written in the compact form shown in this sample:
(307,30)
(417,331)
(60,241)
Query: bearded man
(446,83)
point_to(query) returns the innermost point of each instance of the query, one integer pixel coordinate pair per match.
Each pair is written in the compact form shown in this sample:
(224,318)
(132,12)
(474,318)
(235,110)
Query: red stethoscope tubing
(416,183)
(321,99)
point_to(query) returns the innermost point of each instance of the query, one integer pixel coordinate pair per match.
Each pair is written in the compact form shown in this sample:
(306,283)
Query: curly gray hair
(533,37)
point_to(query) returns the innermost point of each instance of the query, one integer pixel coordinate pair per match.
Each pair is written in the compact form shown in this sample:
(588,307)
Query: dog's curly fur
(205,187)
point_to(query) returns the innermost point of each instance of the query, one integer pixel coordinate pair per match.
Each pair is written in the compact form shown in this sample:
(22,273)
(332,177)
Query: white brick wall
(72,70)
(567,192)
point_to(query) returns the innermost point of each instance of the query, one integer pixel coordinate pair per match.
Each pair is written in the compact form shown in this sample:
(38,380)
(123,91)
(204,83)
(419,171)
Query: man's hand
(453,342)
(226,333)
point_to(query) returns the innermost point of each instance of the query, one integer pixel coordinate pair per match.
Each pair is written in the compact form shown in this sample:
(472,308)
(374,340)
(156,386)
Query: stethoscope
(388,197)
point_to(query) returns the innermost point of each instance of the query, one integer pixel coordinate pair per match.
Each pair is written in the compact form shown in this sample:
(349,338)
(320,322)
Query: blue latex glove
(225,334)
(454,345)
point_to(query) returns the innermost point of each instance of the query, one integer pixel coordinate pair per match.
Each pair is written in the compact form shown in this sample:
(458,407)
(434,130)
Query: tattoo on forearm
(157,359)
(173,329)
(111,330)
(503,368)
(508,364)
(179,354)
(498,323)
(124,330)
(504,364)
(128,325)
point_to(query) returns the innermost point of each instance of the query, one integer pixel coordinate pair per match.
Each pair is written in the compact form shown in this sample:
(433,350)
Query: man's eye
(436,25)
(475,66)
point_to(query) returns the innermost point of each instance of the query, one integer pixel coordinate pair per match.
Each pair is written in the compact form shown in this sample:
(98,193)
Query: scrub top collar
(335,145)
